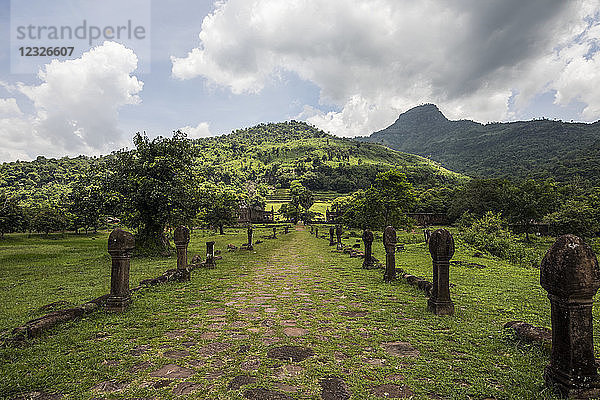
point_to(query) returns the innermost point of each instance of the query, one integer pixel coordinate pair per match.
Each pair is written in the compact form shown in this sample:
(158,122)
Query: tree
(392,196)
(384,203)
(302,200)
(11,214)
(156,188)
(530,201)
(87,202)
(48,218)
(219,206)
(478,197)
(576,217)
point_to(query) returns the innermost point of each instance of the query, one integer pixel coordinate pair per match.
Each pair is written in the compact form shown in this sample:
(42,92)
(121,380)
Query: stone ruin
(120,247)
(441,247)
(569,273)
(338,234)
(389,242)
(181,238)
(369,261)
(210,255)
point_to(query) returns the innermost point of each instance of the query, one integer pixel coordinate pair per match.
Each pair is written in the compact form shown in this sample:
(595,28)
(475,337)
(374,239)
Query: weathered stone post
(368,241)
(250,236)
(331,241)
(426,235)
(182,239)
(389,242)
(120,246)
(210,255)
(274,232)
(441,247)
(570,274)
(338,234)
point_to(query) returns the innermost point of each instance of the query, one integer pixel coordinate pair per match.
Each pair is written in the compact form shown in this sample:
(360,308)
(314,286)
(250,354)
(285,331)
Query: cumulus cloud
(200,131)
(75,106)
(375,58)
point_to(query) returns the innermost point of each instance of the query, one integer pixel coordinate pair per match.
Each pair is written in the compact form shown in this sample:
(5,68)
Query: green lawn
(249,303)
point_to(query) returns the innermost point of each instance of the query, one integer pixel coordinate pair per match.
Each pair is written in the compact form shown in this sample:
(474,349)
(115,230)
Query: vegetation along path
(294,319)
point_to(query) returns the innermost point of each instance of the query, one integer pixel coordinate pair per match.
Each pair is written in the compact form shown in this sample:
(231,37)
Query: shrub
(490,234)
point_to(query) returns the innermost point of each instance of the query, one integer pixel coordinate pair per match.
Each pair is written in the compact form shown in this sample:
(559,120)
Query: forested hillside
(276,154)
(273,154)
(537,149)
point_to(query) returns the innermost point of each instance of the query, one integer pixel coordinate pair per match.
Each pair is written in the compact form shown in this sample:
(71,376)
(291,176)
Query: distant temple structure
(255,215)
(427,219)
(421,219)
(331,217)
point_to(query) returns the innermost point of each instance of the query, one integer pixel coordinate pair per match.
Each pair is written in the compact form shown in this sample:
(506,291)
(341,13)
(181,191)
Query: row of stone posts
(569,273)
(120,247)
(441,247)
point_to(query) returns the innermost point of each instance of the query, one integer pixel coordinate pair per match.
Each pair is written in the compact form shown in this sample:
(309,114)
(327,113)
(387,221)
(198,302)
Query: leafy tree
(529,201)
(478,197)
(219,206)
(155,183)
(392,195)
(87,202)
(302,200)
(11,214)
(47,218)
(576,217)
(384,203)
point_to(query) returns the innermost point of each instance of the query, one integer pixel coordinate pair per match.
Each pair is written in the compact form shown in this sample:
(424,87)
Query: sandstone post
(181,238)
(368,241)
(389,242)
(120,246)
(441,248)
(570,274)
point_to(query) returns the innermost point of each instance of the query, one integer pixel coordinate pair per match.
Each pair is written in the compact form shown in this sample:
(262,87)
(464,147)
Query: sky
(349,67)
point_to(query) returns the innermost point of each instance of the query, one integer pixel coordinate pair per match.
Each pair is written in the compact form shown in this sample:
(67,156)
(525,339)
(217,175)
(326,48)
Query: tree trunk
(221,230)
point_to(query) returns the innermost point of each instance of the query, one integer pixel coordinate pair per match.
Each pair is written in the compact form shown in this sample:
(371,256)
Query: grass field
(293,290)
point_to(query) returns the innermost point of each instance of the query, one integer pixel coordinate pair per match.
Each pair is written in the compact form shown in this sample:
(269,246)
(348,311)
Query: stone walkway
(289,328)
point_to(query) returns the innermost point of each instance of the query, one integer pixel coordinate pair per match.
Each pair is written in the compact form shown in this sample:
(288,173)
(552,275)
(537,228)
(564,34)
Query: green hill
(538,148)
(278,153)
(273,154)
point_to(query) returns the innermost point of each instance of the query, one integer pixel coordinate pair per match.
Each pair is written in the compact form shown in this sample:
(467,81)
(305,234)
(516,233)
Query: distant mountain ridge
(537,148)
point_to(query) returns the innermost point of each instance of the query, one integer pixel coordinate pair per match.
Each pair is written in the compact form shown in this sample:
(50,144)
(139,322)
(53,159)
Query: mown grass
(467,356)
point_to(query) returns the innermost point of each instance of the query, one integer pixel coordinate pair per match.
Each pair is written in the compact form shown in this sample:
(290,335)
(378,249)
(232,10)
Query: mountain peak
(424,114)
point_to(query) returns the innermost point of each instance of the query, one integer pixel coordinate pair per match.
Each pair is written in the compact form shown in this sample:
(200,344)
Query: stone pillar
(182,239)
(250,236)
(441,247)
(331,241)
(389,242)
(570,274)
(426,235)
(274,232)
(120,246)
(338,235)
(368,241)
(210,255)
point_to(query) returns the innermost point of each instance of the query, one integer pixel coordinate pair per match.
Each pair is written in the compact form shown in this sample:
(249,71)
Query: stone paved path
(290,327)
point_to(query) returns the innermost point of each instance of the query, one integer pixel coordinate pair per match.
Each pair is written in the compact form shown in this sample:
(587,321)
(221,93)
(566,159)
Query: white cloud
(376,58)
(200,131)
(76,106)
(9,108)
